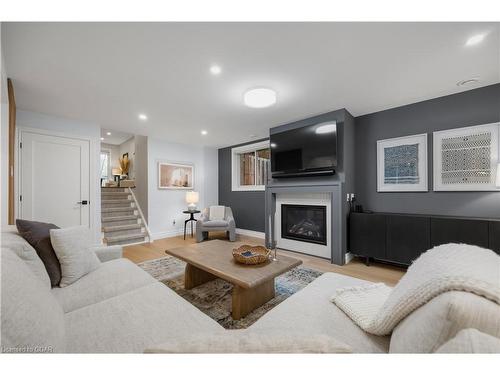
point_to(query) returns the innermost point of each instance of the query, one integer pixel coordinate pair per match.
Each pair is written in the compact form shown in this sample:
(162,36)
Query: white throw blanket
(377,309)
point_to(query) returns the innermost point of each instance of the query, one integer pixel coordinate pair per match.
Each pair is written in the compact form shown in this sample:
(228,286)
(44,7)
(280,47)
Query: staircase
(121,218)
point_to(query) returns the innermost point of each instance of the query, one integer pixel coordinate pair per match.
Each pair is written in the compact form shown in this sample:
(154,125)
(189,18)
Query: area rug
(214,297)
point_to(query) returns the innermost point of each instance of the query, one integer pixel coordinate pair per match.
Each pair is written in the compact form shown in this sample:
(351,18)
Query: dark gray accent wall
(248,206)
(474,107)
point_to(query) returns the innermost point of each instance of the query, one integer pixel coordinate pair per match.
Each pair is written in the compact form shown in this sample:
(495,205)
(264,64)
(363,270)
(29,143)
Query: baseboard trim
(250,233)
(168,234)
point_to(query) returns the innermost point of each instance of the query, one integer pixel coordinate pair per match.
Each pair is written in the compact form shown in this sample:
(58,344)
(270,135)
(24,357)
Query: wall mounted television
(306,151)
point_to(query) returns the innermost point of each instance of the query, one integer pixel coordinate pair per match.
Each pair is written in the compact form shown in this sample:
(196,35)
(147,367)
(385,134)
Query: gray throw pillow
(37,234)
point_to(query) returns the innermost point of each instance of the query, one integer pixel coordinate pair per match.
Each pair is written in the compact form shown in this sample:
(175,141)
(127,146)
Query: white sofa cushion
(216,213)
(471,341)
(310,311)
(32,320)
(134,321)
(241,341)
(440,319)
(72,247)
(111,279)
(12,240)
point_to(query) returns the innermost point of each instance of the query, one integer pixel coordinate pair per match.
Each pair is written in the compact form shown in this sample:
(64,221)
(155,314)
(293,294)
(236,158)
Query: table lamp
(192,197)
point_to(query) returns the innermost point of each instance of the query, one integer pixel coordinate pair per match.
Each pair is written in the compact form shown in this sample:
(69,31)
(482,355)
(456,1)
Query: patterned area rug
(214,297)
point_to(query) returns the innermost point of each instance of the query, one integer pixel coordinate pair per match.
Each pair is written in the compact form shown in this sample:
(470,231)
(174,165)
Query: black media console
(401,238)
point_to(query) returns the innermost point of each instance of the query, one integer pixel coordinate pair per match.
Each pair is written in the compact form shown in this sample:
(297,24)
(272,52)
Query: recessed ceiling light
(260,98)
(108,133)
(475,39)
(102,138)
(204,132)
(467,82)
(215,70)
(327,127)
(143,117)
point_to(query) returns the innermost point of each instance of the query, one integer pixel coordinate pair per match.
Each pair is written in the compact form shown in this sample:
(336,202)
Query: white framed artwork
(175,176)
(465,159)
(402,164)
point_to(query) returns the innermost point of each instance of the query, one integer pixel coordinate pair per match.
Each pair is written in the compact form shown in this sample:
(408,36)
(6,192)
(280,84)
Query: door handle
(83,203)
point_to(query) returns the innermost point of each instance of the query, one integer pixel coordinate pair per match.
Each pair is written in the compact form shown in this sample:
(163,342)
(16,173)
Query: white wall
(76,129)
(165,206)
(4,145)
(141,173)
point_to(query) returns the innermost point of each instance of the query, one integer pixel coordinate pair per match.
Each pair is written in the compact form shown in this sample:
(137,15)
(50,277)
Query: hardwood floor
(376,272)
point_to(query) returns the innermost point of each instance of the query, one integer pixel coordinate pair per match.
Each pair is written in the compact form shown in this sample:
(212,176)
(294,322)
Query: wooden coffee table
(252,285)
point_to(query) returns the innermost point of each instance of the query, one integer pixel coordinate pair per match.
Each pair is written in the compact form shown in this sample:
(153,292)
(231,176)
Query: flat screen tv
(306,151)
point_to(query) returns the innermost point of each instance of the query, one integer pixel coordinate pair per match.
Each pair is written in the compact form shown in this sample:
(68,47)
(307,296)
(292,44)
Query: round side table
(191,219)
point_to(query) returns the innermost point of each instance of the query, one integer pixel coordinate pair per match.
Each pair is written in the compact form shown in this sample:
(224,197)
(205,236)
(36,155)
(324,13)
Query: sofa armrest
(107,253)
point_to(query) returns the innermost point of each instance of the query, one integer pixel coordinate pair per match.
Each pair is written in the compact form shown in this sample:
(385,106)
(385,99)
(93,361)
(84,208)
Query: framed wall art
(175,176)
(402,164)
(465,159)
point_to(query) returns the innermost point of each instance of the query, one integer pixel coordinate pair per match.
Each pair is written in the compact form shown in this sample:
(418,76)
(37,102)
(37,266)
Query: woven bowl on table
(247,254)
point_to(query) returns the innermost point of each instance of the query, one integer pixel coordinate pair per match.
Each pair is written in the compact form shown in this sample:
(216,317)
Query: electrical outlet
(173,222)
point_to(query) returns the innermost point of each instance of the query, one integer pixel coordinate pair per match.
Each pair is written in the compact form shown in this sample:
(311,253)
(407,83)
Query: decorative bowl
(247,254)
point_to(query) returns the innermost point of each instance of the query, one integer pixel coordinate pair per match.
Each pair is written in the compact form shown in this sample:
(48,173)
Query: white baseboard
(348,257)
(251,233)
(168,233)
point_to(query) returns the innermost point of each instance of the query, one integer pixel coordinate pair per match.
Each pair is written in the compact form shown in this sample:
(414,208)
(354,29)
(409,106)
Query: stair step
(115,203)
(115,195)
(119,218)
(117,209)
(123,239)
(112,190)
(114,228)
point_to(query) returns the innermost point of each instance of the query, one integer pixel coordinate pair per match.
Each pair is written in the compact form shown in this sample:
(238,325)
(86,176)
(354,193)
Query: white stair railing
(150,239)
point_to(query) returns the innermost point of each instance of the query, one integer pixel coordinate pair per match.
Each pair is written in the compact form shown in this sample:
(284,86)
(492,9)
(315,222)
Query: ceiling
(114,137)
(109,73)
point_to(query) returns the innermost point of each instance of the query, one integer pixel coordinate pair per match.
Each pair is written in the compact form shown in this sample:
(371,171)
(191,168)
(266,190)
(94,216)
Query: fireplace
(304,223)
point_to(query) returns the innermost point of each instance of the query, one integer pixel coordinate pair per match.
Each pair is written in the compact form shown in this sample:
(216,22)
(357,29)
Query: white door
(55,182)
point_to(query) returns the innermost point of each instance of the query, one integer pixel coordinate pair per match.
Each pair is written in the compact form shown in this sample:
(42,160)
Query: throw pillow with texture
(37,235)
(73,249)
(217,212)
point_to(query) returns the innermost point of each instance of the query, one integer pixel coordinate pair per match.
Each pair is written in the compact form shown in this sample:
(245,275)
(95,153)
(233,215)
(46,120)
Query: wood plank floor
(376,272)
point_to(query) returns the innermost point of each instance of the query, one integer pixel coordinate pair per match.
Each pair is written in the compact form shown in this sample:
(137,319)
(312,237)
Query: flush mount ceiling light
(215,70)
(467,82)
(204,132)
(259,98)
(108,133)
(475,39)
(326,127)
(102,138)
(142,117)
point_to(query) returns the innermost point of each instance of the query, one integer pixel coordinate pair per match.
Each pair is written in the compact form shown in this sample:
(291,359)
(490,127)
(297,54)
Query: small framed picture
(402,164)
(175,176)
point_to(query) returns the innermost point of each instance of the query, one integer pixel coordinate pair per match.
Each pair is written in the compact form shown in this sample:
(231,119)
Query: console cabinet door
(407,237)
(472,232)
(367,235)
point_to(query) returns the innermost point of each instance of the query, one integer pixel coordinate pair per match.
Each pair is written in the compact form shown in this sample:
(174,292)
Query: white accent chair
(208,223)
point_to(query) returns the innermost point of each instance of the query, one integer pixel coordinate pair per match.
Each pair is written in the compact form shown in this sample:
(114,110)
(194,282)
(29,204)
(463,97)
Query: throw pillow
(72,247)
(217,212)
(37,234)
(241,341)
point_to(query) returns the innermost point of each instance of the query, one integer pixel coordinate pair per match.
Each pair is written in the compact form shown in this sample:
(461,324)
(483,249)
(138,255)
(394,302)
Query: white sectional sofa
(119,308)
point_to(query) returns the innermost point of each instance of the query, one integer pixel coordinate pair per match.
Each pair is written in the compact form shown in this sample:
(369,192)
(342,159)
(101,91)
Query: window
(250,166)
(105,167)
